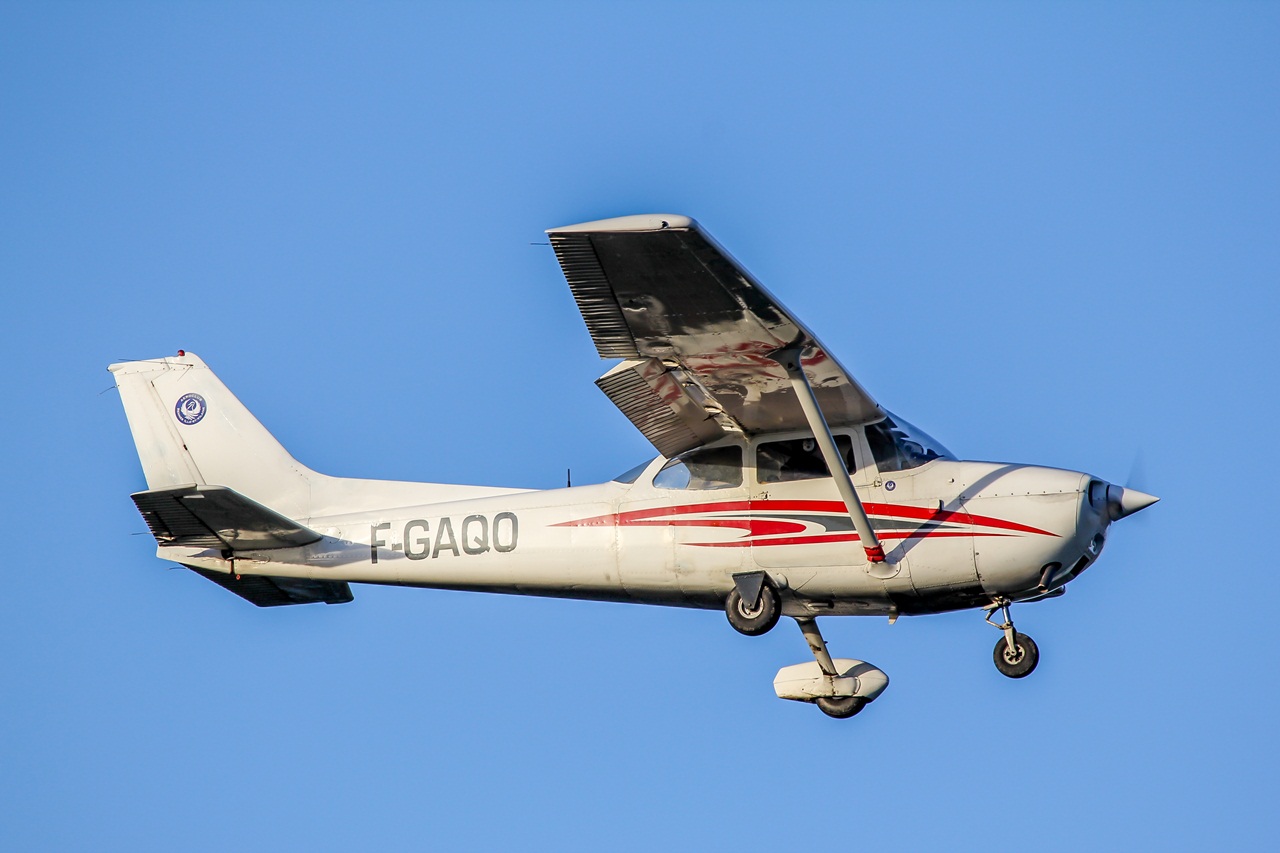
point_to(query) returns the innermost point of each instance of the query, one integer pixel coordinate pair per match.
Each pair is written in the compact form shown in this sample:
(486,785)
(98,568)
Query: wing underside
(697,332)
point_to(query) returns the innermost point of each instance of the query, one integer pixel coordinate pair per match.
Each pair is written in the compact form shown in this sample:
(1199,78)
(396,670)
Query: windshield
(898,446)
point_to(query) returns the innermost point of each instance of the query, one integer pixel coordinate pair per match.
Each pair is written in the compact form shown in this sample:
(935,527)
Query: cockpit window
(798,459)
(704,468)
(897,445)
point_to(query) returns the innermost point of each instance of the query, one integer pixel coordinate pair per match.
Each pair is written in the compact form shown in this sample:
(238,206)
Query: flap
(658,287)
(218,517)
(664,404)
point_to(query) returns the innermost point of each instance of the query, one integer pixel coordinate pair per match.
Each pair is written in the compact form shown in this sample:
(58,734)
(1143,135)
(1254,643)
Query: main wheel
(842,708)
(1018,662)
(753,621)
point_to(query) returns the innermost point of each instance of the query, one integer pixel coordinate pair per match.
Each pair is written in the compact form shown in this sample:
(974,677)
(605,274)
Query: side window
(705,468)
(798,459)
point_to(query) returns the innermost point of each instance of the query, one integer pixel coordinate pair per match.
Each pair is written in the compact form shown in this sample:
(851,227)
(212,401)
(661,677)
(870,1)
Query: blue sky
(1043,232)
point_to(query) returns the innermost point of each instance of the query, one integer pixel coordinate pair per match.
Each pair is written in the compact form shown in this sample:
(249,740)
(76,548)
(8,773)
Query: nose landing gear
(1015,654)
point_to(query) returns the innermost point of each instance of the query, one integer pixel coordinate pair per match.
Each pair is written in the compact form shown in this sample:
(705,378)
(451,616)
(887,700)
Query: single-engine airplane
(740,511)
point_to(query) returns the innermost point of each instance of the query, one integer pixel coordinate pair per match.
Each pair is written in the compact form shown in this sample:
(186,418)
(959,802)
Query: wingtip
(638,222)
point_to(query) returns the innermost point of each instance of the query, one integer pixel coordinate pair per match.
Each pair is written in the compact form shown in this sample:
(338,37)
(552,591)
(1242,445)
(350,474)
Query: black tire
(842,708)
(1021,662)
(755,622)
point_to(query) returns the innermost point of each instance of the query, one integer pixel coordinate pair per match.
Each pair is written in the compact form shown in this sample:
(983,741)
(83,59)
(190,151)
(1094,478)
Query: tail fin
(190,429)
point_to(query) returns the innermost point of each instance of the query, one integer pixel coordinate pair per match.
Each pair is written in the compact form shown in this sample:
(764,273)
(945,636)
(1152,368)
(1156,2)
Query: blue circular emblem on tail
(190,408)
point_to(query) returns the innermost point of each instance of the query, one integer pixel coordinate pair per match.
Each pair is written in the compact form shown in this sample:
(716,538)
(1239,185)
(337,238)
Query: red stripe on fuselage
(662,517)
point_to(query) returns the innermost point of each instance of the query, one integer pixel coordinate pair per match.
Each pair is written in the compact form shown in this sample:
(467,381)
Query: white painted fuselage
(956,535)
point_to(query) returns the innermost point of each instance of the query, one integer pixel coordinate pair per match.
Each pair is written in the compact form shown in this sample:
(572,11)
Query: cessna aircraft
(781,487)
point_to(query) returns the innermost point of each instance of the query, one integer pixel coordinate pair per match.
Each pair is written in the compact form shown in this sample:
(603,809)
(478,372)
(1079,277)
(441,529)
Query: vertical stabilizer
(189,428)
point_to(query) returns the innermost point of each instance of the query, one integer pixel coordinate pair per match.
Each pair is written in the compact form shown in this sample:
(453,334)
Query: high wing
(696,333)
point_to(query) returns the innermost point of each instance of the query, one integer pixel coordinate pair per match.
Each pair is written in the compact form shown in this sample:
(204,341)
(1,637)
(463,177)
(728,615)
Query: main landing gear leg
(1015,654)
(840,707)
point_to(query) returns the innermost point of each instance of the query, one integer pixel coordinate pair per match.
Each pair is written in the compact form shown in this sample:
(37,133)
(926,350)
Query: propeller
(1129,498)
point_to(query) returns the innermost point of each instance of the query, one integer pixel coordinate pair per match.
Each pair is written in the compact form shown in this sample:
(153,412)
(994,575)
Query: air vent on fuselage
(1080,566)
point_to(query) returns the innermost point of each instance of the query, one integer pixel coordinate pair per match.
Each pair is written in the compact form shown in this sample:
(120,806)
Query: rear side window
(705,468)
(798,459)
(632,474)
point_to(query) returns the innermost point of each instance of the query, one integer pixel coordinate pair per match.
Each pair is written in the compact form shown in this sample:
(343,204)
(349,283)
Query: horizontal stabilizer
(274,592)
(217,517)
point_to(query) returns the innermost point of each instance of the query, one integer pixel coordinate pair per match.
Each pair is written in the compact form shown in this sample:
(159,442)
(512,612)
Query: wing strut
(789,358)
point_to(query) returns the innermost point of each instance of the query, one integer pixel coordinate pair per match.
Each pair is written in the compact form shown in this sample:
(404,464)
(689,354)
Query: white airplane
(750,415)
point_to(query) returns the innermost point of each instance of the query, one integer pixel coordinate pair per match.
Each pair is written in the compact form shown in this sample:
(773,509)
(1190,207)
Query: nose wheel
(1015,654)
(1019,660)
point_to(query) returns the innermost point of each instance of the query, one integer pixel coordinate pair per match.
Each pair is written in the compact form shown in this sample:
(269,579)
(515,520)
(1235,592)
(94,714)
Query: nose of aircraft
(1122,502)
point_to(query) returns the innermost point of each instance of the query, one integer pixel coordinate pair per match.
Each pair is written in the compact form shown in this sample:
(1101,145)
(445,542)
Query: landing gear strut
(1015,654)
(840,707)
(840,687)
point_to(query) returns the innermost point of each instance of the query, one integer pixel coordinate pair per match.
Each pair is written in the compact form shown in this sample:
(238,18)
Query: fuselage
(957,534)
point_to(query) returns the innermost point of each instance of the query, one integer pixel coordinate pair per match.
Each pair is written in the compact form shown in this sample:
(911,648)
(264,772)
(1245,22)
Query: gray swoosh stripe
(842,523)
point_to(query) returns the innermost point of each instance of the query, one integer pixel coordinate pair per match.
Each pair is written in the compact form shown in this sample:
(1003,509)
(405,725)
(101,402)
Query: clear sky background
(1043,232)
